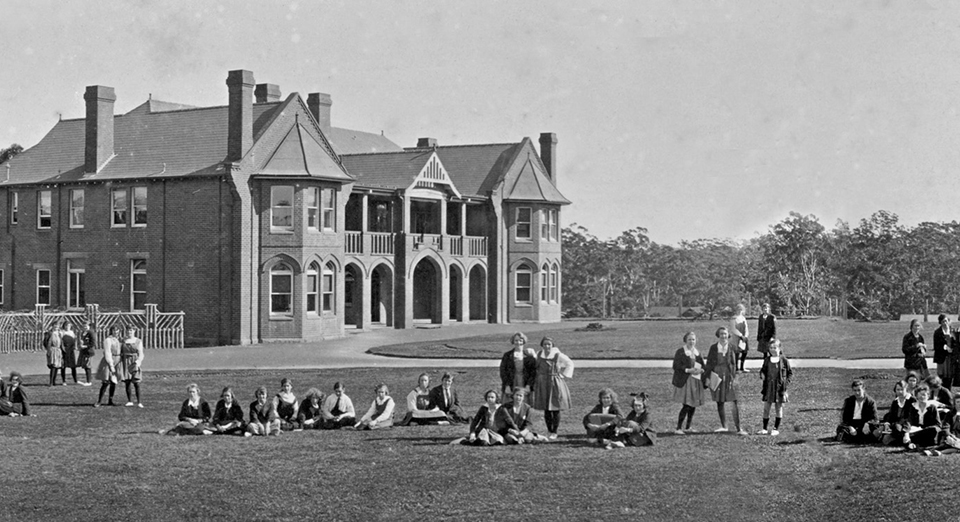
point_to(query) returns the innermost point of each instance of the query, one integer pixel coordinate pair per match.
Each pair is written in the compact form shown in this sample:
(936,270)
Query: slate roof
(162,144)
(474,170)
(346,141)
(300,154)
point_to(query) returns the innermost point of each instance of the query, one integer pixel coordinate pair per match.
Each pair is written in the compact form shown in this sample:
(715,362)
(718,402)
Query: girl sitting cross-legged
(380,414)
(228,415)
(604,419)
(310,414)
(263,417)
(483,426)
(194,414)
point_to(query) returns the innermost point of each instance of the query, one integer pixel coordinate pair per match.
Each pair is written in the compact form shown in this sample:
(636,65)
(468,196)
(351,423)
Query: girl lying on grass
(380,414)
(483,426)
(285,403)
(194,414)
(602,421)
(310,413)
(13,400)
(228,415)
(263,416)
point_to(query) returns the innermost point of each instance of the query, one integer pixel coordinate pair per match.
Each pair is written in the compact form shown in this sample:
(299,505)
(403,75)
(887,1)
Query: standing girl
(107,370)
(776,374)
(915,351)
(518,367)
(51,344)
(687,383)
(88,348)
(741,336)
(128,370)
(722,360)
(550,392)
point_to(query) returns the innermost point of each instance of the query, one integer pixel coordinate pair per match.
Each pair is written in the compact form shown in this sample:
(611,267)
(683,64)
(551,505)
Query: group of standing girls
(121,362)
(64,349)
(719,374)
(541,375)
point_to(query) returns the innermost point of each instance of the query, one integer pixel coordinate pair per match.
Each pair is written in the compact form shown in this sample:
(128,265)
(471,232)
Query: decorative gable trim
(434,176)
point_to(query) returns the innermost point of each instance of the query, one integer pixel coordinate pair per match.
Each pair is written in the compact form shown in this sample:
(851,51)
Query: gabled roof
(147,144)
(300,154)
(473,169)
(346,141)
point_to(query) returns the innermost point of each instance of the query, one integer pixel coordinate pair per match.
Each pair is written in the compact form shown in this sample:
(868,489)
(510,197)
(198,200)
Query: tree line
(876,270)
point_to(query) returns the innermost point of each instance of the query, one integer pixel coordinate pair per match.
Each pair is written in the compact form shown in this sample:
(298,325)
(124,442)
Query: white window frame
(312,296)
(544,225)
(544,283)
(554,225)
(555,283)
(328,208)
(275,209)
(118,212)
(14,208)
(285,271)
(76,210)
(523,270)
(138,267)
(40,215)
(328,287)
(44,287)
(311,202)
(528,223)
(76,277)
(139,212)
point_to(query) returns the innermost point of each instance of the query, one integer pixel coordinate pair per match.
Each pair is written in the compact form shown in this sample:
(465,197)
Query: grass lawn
(660,339)
(73,461)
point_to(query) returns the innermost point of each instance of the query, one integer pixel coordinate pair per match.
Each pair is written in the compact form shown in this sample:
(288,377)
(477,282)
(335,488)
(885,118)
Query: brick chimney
(267,93)
(548,154)
(99,122)
(239,114)
(319,104)
(427,143)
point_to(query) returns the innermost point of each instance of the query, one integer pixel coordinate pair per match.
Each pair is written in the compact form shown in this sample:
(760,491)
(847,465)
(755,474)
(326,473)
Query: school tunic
(687,387)
(54,354)
(725,366)
(550,393)
(776,377)
(68,343)
(131,355)
(111,357)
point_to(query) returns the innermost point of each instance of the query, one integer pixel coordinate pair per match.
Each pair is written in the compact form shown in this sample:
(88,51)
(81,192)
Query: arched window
(281,289)
(555,283)
(523,282)
(544,283)
(328,286)
(313,287)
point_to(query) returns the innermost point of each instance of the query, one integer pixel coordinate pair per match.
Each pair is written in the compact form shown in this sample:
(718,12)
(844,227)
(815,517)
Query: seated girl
(13,400)
(286,405)
(920,420)
(380,414)
(227,415)
(194,414)
(951,432)
(602,421)
(513,420)
(483,426)
(445,398)
(338,409)
(891,426)
(310,414)
(420,408)
(637,429)
(263,416)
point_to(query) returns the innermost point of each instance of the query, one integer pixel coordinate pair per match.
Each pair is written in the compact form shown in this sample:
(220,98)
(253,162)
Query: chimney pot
(319,104)
(267,93)
(548,154)
(99,126)
(427,143)
(240,85)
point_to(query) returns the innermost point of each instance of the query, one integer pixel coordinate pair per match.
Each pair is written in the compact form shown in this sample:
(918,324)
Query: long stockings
(723,414)
(743,360)
(685,412)
(552,420)
(103,387)
(136,386)
(53,377)
(73,372)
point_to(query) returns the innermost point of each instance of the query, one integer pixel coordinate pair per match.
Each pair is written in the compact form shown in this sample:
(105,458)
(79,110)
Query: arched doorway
(427,291)
(478,294)
(456,293)
(353,296)
(381,296)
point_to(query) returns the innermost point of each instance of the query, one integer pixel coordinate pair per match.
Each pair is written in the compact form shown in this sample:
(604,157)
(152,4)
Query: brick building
(263,222)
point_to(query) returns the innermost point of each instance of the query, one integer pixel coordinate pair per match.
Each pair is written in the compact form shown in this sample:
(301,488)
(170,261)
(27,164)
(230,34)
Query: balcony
(373,243)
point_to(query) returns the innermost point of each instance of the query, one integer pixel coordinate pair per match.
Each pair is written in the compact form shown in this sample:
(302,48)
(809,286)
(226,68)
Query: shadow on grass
(72,405)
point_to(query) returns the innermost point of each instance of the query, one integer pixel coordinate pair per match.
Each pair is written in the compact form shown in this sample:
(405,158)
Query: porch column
(406,214)
(364,316)
(443,216)
(463,218)
(444,294)
(365,218)
(465,297)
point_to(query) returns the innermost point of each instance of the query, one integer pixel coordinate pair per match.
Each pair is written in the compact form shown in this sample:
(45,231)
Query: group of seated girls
(284,412)
(611,429)
(923,416)
(13,400)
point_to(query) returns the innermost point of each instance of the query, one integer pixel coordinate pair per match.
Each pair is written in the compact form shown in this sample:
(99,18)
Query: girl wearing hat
(550,392)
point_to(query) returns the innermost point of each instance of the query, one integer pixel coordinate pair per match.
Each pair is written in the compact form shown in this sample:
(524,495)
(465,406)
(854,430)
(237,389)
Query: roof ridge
(404,151)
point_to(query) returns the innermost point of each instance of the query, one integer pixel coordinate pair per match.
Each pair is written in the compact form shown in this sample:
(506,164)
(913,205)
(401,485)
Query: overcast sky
(693,119)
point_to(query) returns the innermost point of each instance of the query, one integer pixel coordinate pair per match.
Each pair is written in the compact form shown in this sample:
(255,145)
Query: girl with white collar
(722,361)
(687,382)
(776,374)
